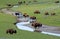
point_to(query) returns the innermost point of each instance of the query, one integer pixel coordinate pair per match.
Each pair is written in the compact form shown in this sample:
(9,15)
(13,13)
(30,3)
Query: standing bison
(36,24)
(46,13)
(25,15)
(11,31)
(32,19)
(37,12)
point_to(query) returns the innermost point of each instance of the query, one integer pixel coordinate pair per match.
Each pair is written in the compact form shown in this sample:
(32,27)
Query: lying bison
(46,13)
(36,24)
(11,31)
(53,13)
(37,12)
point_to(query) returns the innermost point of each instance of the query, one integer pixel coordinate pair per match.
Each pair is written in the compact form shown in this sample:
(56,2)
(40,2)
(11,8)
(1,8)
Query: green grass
(46,20)
(4,2)
(6,21)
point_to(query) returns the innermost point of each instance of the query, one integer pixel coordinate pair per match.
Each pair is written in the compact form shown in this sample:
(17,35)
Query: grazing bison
(53,13)
(37,12)
(25,15)
(36,24)
(46,13)
(33,17)
(11,31)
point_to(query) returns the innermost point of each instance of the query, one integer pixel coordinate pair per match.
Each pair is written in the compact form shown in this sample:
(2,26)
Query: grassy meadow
(46,20)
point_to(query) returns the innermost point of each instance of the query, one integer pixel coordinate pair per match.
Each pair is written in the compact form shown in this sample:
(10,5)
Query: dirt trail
(46,28)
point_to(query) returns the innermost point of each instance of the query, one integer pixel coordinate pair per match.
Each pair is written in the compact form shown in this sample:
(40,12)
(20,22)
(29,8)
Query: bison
(33,17)
(37,12)
(11,31)
(46,13)
(53,13)
(25,15)
(36,24)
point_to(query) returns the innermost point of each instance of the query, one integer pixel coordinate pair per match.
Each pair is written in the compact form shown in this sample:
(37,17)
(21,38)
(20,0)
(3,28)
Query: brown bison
(53,13)
(46,13)
(11,31)
(36,24)
(33,17)
(37,12)
(25,15)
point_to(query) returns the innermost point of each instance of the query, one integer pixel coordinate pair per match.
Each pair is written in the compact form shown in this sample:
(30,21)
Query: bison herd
(46,13)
